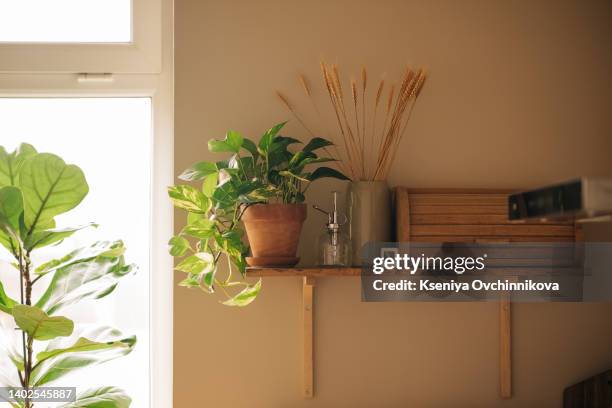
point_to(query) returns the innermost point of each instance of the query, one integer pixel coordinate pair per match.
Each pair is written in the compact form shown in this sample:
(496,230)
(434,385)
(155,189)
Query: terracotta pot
(274,231)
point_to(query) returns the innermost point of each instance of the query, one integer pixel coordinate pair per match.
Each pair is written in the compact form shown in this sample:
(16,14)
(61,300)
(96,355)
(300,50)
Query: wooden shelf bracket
(505,347)
(308,313)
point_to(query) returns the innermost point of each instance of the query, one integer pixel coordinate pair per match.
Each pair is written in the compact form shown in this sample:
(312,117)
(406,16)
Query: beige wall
(519,94)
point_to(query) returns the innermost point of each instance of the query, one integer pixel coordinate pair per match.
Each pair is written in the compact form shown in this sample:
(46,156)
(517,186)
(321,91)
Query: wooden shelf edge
(308,271)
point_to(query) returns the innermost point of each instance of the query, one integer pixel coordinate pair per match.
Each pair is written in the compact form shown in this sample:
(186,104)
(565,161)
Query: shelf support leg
(308,311)
(505,347)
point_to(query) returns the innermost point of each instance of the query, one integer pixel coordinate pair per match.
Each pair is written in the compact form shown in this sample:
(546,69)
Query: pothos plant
(262,172)
(34,189)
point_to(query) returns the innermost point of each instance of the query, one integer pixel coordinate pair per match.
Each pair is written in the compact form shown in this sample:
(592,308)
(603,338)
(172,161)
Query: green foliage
(85,345)
(34,189)
(256,172)
(104,397)
(39,325)
(50,187)
(10,163)
(6,303)
(92,272)
(246,296)
(66,355)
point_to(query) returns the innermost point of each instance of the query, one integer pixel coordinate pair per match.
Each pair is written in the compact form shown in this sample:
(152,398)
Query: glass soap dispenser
(334,246)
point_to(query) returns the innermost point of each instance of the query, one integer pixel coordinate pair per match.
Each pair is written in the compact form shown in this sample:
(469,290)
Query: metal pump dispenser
(333,247)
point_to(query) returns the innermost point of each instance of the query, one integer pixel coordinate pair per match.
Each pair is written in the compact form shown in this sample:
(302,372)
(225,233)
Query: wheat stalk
(364,85)
(398,108)
(356,111)
(354,147)
(308,92)
(336,151)
(305,85)
(411,89)
(289,106)
(334,99)
(390,136)
(384,128)
(379,92)
(414,95)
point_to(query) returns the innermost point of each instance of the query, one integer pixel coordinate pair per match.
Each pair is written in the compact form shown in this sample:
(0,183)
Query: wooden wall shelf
(316,272)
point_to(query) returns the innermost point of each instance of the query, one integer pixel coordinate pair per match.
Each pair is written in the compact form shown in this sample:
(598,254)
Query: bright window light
(110,139)
(66,21)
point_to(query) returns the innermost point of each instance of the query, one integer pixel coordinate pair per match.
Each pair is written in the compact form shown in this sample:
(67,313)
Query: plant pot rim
(277,205)
(275,211)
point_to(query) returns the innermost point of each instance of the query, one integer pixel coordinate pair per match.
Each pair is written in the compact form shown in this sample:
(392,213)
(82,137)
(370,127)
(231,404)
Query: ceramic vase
(369,213)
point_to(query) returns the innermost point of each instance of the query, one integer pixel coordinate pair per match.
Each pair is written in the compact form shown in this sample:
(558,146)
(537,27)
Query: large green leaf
(6,303)
(84,348)
(179,245)
(11,210)
(225,195)
(210,184)
(45,237)
(98,249)
(11,207)
(189,198)
(286,141)
(231,144)
(199,171)
(279,157)
(323,172)
(246,296)
(10,163)
(104,397)
(50,187)
(313,160)
(316,143)
(251,147)
(202,262)
(201,229)
(298,157)
(90,272)
(193,280)
(55,369)
(231,243)
(39,325)
(83,345)
(265,143)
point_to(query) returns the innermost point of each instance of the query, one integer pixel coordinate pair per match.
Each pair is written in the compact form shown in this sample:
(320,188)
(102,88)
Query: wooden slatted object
(476,216)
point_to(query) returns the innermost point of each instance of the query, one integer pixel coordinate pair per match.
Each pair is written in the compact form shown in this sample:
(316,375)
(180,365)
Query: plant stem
(25,286)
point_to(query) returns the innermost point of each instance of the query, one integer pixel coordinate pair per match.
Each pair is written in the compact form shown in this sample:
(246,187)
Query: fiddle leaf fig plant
(255,172)
(34,189)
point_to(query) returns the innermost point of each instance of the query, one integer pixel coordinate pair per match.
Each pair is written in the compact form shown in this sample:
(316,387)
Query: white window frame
(142,55)
(160,88)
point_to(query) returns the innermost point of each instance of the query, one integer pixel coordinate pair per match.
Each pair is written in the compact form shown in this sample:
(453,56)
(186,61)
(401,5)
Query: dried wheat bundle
(365,150)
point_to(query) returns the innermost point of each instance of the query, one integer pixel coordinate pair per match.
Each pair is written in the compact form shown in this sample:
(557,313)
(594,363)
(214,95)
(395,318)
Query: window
(121,122)
(79,36)
(110,139)
(66,21)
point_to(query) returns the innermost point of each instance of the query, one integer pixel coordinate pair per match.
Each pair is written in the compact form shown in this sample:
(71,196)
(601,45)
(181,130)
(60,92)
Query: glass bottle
(334,245)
